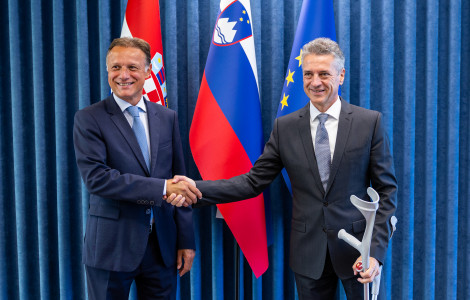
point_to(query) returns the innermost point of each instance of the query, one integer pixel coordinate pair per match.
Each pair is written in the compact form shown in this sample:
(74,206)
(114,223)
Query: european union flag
(316,20)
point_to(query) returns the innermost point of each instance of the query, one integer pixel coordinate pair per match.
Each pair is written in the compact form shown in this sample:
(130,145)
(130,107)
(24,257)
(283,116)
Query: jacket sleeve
(383,180)
(247,185)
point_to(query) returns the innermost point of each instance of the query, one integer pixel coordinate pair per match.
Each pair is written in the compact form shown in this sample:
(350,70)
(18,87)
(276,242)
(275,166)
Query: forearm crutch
(368,210)
(376,281)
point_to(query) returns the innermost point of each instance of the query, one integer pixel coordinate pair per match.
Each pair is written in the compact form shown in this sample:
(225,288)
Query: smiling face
(127,72)
(321,80)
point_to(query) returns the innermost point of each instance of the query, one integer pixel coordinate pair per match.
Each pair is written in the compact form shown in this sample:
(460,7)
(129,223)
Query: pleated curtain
(408,59)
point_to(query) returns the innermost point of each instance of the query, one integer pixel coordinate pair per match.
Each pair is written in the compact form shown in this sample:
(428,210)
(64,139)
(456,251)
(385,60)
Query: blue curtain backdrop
(408,59)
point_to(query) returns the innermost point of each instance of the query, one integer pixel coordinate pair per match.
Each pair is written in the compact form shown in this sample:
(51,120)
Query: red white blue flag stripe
(142,20)
(226,132)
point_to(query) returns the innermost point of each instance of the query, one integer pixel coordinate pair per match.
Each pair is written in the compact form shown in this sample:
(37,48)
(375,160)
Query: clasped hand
(182,191)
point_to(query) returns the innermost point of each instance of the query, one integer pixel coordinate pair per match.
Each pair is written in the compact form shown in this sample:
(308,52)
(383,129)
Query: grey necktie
(322,150)
(139,132)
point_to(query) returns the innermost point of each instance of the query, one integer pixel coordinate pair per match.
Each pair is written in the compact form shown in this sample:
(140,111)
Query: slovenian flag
(226,132)
(142,20)
(316,20)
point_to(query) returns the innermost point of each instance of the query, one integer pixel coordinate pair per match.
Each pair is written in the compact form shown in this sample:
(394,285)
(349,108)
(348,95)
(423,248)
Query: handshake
(181,191)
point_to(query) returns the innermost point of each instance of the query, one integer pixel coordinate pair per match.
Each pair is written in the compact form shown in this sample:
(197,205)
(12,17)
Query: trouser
(153,279)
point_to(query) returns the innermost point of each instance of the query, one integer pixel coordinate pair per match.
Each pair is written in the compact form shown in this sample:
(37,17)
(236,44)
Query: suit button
(147,211)
(325,204)
(152,202)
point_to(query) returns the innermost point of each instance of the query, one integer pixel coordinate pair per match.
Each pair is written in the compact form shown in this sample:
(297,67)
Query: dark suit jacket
(362,158)
(122,190)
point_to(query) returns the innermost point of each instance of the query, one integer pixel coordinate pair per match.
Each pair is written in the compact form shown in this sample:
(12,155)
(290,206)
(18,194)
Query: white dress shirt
(123,105)
(331,123)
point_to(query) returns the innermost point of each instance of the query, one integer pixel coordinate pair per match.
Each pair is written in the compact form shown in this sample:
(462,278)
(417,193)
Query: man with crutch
(330,149)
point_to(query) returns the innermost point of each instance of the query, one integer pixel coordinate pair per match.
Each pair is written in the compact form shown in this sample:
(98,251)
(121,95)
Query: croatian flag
(226,134)
(316,20)
(142,20)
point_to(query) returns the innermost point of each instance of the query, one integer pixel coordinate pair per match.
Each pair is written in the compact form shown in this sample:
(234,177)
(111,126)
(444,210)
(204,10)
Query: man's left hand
(184,260)
(369,274)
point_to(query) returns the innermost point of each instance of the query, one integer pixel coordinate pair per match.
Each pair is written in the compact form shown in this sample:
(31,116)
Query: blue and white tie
(322,150)
(139,132)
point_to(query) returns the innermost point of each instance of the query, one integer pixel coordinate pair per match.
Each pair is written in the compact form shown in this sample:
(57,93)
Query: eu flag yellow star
(284,101)
(289,77)
(299,58)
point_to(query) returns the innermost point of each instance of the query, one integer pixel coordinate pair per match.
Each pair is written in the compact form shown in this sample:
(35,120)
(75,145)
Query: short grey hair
(324,46)
(130,42)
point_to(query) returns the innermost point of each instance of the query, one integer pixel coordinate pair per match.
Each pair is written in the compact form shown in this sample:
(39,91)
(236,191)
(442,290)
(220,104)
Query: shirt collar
(333,111)
(123,105)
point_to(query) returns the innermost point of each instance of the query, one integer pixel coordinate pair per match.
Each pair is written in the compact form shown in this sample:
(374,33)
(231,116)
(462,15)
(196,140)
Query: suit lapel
(344,126)
(121,123)
(306,137)
(154,133)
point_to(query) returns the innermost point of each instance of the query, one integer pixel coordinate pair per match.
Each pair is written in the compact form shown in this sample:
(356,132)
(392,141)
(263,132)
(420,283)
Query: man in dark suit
(331,150)
(125,148)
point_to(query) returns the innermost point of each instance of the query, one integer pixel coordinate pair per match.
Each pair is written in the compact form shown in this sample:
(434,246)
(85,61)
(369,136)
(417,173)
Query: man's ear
(149,70)
(341,76)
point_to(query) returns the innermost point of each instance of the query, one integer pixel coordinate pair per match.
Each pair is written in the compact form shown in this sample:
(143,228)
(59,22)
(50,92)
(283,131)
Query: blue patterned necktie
(322,150)
(139,132)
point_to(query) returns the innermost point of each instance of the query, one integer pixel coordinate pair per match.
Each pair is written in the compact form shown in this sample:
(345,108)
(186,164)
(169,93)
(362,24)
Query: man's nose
(124,73)
(316,80)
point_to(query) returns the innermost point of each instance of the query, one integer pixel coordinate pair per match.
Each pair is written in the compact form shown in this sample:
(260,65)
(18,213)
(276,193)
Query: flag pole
(237,269)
